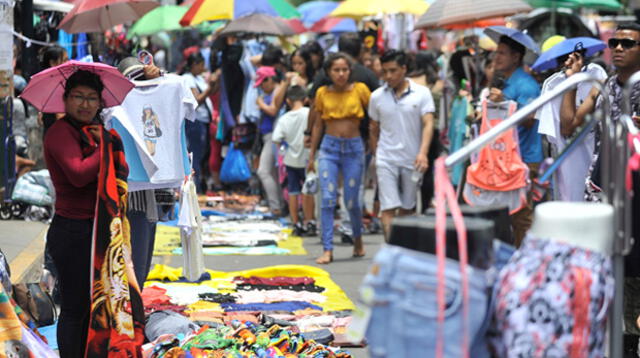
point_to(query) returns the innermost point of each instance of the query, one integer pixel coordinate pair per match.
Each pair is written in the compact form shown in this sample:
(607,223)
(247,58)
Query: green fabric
(284,8)
(593,4)
(162,18)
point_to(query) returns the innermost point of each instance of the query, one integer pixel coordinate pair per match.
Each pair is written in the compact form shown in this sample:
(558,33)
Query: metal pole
(522,114)
(29,56)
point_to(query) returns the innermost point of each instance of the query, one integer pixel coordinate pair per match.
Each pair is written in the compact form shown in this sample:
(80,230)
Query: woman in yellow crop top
(340,106)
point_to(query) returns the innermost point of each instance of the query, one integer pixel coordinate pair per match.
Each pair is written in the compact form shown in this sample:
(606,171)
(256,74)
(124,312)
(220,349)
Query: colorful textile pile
(302,298)
(242,340)
(224,235)
(230,203)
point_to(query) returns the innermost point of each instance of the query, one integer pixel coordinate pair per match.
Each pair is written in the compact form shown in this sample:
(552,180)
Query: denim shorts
(404,319)
(295,180)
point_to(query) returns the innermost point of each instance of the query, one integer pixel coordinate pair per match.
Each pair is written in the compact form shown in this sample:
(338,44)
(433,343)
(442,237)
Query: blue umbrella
(496,32)
(549,59)
(313,11)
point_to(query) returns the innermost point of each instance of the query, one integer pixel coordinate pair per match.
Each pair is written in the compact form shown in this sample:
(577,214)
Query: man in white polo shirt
(401,130)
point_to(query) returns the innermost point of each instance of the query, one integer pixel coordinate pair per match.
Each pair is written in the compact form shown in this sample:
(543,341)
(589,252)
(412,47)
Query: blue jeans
(143,234)
(197,134)
(346,156)
(404,312)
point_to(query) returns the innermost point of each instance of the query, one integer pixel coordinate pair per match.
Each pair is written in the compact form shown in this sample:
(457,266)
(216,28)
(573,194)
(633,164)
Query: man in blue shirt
(521,88)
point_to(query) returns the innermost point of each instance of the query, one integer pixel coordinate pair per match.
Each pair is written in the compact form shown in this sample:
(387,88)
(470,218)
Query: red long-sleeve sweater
(75,178)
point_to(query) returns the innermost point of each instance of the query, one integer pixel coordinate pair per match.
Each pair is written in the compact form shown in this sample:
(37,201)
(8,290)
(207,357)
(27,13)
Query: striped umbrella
(208,10)
(444,13)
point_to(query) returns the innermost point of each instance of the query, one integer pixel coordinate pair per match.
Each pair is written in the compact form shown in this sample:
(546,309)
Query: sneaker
(312,228)
(346,239)
(298,230)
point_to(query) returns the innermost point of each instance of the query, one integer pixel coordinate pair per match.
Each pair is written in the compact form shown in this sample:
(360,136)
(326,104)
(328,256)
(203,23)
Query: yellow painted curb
(23,263)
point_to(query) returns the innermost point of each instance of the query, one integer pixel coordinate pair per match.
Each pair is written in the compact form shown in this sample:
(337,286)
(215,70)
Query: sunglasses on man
(625,43)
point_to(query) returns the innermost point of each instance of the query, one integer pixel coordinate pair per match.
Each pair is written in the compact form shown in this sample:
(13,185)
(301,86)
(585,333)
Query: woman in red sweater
(75,178)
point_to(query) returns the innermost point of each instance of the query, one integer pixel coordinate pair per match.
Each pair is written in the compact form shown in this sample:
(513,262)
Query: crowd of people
(327,115)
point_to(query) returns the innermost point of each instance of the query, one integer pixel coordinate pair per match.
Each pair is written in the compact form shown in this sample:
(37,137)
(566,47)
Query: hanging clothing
(250,112)
(457,133)
(571,175)
(552,300)
(499,177)
(151,122)
(116,319)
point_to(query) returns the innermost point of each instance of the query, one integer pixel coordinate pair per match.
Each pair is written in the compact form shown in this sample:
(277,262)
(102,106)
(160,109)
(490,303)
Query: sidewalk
(23,244)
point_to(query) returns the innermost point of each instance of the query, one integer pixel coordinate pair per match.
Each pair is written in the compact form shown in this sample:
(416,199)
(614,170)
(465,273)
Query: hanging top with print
(151,124)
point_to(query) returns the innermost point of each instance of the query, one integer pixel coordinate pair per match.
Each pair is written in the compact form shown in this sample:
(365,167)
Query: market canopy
(444,13)
(101,15)
(360,8)
(209,10)
(162,18)
(611,5)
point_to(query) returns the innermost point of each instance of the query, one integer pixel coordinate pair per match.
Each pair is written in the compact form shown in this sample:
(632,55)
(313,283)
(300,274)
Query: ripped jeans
(345,155)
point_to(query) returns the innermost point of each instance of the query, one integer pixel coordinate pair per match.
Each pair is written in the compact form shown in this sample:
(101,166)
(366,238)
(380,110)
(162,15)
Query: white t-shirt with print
(154,116)
(203,112)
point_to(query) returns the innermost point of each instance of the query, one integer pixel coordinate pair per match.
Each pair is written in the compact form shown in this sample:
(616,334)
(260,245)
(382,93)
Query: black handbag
(36,303)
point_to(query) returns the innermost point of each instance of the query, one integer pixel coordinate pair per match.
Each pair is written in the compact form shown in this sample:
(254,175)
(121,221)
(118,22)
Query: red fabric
(581,299)
(154,295)
(275,281)
(634,161)
(74,176)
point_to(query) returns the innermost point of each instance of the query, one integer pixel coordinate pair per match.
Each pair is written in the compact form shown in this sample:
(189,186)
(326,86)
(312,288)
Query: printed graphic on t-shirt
(151,128)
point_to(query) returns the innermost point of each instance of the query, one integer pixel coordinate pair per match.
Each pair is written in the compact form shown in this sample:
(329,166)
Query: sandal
(326,258)
(358,248)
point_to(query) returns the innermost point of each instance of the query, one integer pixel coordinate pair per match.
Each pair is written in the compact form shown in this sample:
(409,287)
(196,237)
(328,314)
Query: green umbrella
(162,18)
(284,9)
(592,4)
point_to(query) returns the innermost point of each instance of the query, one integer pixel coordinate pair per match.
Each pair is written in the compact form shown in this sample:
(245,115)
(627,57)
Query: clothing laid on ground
(571,175)
(498,177)
(297,288)
(275,281)
(164,105)
(400,118)
(290,129)
(340,156)
(522,88)
(552,300)
(74,175)
(347,104)
(289,306)
(167,322)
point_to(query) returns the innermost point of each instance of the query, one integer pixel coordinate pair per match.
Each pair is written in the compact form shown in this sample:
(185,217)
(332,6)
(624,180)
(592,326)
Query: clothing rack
(614,148)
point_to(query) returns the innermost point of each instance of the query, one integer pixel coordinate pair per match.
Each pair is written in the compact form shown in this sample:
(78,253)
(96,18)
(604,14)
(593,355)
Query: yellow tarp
(168,239)
(337,299)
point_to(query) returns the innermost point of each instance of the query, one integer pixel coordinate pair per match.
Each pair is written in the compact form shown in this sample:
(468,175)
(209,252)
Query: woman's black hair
(272,56)
(194,58)
(335,56)
(425,63)
(314,48)
(83,78)
(50,53)
(310,71)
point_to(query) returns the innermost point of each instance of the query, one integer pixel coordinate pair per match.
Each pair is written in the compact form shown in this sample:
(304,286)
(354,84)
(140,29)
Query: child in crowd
(290,129)
(267,79)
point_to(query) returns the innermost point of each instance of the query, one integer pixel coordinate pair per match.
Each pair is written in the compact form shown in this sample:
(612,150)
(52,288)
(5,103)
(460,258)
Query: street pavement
(22,243)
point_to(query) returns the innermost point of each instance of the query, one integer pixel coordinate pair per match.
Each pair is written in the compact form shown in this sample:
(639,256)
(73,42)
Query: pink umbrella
(101,15)
(46,88)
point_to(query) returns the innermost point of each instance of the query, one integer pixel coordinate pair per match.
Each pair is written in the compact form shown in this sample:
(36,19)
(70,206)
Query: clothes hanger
(418,233)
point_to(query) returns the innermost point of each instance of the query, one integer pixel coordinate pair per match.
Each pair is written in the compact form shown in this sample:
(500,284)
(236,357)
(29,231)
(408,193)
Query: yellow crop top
(342,105)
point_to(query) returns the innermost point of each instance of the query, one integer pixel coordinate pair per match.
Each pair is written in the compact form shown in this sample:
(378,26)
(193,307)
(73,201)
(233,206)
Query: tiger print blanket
(116,327)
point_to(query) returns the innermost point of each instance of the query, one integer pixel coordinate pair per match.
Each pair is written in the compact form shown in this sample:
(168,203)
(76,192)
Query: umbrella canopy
(334,25)
(209,10)
(496,32)
(611,5)
(360,8)
(444,13)
(162,18)
(549,59)
(313,11)
(46,88)
(101,15)
(259,24)
(297,26)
